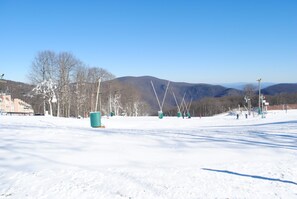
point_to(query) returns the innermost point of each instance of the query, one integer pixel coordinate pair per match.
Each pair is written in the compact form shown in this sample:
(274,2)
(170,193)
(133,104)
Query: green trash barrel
(95,118)
(178,114)
(188,115)
(160,114)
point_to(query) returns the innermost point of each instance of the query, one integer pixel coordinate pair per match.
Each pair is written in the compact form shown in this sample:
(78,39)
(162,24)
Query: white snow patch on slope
(145,157)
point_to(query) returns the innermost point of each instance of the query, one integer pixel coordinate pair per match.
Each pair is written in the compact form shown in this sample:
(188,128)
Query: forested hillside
(134,96)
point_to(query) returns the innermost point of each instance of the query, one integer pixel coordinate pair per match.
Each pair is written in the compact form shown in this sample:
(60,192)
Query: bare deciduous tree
(80,91)
(42,70)
(66,64)
(76,87)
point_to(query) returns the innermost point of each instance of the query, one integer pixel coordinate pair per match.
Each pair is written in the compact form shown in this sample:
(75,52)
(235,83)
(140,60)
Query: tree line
(210,106)
(69,88)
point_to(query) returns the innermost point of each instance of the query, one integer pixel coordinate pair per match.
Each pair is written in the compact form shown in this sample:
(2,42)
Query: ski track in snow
(145,157)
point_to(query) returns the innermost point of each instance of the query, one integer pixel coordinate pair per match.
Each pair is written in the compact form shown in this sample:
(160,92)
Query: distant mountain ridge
(194,91)
(241,85)
(191,91)
(280,88)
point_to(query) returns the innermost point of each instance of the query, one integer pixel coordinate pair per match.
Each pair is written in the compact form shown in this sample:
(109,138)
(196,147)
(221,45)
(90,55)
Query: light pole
(1,81)
(1,77)
(259,85)
(98,90)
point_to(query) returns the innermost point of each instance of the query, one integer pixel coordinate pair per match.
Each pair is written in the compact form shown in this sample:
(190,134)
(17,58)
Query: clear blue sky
(209,41)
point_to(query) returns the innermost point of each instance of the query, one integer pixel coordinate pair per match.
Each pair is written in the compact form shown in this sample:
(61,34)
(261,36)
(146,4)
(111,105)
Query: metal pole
(1,81)
(98,89)
(178,108)
(181,104)
(156,96)
(262,100)
(165,94)
(259,105)
(249,106)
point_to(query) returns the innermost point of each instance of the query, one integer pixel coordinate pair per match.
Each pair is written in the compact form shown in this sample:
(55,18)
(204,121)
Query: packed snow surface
(148,157)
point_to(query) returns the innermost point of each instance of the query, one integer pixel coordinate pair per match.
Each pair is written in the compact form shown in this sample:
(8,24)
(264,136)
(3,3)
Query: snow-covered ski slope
(147,157)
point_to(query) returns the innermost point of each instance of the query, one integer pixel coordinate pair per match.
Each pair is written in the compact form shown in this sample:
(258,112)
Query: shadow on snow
(251,176)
